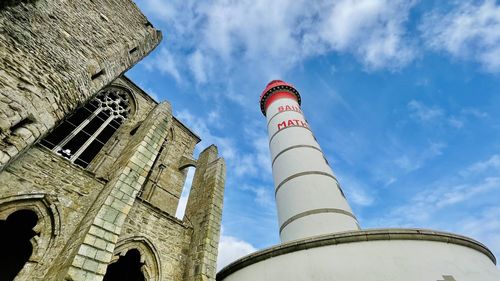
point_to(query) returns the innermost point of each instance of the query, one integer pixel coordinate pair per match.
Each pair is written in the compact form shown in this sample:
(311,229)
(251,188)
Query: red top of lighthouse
(274,87)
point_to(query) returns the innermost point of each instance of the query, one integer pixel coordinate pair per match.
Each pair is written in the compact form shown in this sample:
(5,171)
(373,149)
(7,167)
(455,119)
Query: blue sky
(403,97)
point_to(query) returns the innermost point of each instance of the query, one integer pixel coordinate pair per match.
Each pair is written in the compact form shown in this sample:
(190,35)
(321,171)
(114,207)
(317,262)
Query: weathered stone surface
(98,213)
(120,193)
(164,184)
(55,55)
(169,236)
(204,211)
(70,190)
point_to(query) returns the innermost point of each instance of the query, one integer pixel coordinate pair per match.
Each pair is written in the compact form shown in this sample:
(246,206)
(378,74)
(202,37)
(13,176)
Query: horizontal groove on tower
(315,212)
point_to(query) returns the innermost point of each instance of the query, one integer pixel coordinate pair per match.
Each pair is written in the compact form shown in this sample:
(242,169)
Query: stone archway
(45,228)
(16,231)
(149,258)
(127,268)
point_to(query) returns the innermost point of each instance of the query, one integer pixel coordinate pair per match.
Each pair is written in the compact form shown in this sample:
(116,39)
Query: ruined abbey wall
(56,54)
(55,57)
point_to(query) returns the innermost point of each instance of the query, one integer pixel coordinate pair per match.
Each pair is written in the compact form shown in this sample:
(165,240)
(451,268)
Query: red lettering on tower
(289,108)
(292,122)
(281,125)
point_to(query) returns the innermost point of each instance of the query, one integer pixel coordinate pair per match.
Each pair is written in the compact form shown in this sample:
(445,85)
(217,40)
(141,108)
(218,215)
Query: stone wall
(168,236)
(55,55)
(89,221)
(204,212)
(165,182)
(68,191)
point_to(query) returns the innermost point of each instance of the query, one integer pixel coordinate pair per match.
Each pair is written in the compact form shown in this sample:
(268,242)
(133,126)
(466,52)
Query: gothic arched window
(15,246)
(127,268)
(81,136)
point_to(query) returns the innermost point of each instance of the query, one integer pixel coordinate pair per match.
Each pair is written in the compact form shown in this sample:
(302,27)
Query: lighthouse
(309,198)
(320,236)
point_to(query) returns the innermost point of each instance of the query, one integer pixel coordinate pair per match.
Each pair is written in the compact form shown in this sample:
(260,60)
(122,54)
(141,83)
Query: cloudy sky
(403,96)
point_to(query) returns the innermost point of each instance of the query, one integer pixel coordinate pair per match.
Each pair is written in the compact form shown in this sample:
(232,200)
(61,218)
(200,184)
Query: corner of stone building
(204,213)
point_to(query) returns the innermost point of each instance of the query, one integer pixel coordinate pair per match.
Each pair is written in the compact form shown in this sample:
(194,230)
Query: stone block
(90,265)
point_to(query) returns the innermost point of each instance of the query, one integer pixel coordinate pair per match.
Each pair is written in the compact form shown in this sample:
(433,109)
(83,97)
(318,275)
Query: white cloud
(265,39)
(162,9)
(372,30)
(435,115)
(200,127)
(165,63)
(414,161)
(473,112)
(485,227)
(261,153)
(475,180)
(464,204)
(390,181)
(479,167)
(423,208)
(243,163)
(198,64)
(246,166)
(455,194)
(263,196)
(471,30)
(424,113)
(356,191)
(231,249)
(455,122)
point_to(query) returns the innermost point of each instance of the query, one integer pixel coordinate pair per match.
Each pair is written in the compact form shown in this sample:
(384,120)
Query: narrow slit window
(133,50)
(81,136)
(97,75)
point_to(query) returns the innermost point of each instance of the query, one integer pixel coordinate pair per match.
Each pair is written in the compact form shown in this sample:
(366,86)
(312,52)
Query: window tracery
(81,136)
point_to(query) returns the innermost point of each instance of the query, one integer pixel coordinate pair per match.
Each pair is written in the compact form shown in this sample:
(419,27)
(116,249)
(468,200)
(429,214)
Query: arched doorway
(127,268)
(15,246)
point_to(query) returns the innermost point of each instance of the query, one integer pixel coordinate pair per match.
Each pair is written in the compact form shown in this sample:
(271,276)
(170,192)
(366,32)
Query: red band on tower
(278,95)
(277,88)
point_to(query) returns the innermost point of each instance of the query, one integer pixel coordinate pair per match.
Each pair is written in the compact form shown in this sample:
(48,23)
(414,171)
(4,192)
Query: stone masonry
(55,57)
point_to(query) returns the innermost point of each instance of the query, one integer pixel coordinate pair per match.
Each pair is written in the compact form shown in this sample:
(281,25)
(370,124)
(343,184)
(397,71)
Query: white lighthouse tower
(321,238)
(308,196)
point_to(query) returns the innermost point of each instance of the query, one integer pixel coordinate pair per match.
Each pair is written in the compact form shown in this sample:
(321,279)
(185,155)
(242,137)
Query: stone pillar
(94,240)
(308,196)
(204,213)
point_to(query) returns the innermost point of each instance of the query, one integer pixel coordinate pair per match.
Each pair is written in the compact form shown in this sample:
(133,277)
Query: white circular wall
(373,255)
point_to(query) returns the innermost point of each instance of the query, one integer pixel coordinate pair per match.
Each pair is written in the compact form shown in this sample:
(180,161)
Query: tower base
(375,255)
